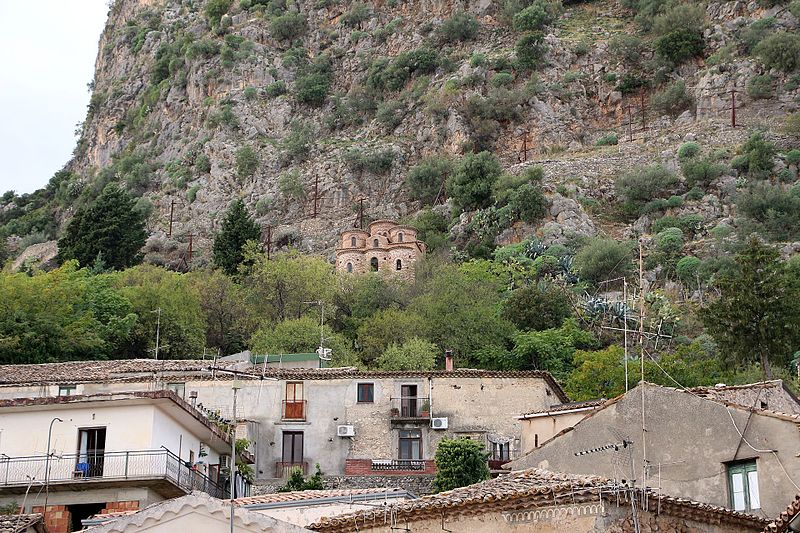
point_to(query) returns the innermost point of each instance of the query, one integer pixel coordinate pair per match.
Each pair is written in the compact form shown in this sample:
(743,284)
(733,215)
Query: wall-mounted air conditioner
(346,431)
(439,423)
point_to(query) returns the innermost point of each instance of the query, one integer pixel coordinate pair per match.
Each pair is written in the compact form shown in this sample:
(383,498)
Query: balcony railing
(410,407)
(294,410)
(284,469)
(397,464)
(109,466)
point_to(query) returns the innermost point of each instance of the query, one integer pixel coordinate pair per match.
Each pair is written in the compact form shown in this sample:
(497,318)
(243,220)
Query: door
(292,451)
(408,400)
(91,451)
(294,403)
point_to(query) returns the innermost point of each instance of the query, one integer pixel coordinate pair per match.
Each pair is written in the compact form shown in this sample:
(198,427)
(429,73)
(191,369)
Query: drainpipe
(430,397)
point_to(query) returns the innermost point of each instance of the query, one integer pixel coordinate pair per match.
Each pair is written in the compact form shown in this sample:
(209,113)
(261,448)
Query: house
(69,457)
(22,523)
(545,502)
(308,506)
(196,513)
(382,426)
(788,521)
(540,426)
(386,246)
(695,445)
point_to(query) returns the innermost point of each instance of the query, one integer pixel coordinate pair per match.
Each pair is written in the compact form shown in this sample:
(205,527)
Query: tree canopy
(237,229)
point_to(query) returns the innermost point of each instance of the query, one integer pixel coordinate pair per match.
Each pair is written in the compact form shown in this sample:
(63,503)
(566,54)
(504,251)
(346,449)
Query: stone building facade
(385,247)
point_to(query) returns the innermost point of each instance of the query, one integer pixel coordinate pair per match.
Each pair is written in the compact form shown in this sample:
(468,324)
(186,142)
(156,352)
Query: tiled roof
(302,495)
(16,523)
(532,488)
(721,388)
(569,406)
(138,369)
(781,524)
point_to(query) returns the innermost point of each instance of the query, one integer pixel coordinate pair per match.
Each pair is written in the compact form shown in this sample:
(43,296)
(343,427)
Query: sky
(47,54)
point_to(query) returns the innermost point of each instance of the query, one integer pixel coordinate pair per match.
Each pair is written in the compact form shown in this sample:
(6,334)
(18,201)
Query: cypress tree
(237,228)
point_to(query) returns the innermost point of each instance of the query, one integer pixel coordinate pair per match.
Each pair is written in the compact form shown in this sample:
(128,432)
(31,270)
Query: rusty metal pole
(525,145)
(269,240)
(171,212)
(733,107)
(316,194)
(644,121)
(190,246)
(630,123)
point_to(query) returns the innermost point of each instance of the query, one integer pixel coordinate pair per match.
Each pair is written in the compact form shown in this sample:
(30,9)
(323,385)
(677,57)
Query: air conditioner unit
(346,431)
(439,423)
(224,461)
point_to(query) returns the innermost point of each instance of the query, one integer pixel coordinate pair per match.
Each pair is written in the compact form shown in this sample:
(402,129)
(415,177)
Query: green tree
(385,327)
(460,462)
(551,349)
(297,481)
(537,306)
(426,179)
(597,374)
(757,316)
(603,259)
(413,354)
(531,49)
(470,184)
(246,162)
(299,335)
(237,229)
(110,227)
(226,313)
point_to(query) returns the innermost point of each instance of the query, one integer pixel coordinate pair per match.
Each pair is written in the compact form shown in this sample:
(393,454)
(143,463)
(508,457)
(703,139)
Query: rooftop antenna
(323,353)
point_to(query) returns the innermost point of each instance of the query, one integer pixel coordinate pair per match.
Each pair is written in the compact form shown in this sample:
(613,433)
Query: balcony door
(293,403)
(408,400)
(91,452)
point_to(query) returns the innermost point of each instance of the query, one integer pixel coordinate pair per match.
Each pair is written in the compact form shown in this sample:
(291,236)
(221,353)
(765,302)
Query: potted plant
(425,409)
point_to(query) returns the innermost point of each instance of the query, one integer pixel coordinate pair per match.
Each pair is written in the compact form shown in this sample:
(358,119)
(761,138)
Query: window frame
(178,387)
(745,469)
(398,265)
(72,390)
(405,436)
(365,387)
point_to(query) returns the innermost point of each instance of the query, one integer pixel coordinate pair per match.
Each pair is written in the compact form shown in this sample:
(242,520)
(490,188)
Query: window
(400,237)
(366,392)
(177,388)
(353,242)
(67,390)
(743,486)
(500,451)
(410,444)
(292,447)
(373,264)
(375,243)
(399,265)
(91,452)
(349,267)
(293,404)
(408,401)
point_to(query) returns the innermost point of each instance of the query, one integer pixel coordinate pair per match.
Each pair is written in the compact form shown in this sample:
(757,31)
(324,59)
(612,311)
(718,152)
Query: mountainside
(295,104)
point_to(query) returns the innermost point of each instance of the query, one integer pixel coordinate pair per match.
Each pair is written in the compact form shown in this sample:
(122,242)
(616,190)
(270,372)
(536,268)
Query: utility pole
(733,107)
(630,123)
(641,360)
(644,121)
(158,329)
(47,468)
(171,213)
(625,327)
(236,386)
(525,145)
(191,236)
(316,193)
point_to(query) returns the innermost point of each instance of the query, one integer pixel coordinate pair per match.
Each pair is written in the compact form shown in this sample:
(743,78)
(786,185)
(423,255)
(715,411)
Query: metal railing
(294,410)
(108,466)
(284,469)
(410,407)
(397,464)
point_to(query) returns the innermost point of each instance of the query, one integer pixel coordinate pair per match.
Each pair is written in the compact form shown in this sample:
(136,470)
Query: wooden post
(630,123)
(171,211)
(316,194)
(733,107)
(644,121)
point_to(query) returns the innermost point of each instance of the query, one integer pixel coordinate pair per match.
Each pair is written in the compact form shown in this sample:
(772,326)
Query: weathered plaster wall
(544,428)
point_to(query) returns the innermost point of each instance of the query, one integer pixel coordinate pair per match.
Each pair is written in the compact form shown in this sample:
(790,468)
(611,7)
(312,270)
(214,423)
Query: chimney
(448,360)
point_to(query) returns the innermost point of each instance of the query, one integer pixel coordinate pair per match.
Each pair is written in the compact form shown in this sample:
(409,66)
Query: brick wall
(116,507)
(363,467)
(57,518)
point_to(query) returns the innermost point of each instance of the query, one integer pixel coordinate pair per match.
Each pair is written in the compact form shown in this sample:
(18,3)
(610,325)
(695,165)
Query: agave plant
(535,249)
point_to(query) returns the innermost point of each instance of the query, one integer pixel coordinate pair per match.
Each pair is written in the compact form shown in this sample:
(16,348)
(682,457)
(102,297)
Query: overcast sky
(47,53)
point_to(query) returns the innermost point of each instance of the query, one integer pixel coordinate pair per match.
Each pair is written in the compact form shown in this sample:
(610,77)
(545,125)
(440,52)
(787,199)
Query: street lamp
(47,468)
(236,386)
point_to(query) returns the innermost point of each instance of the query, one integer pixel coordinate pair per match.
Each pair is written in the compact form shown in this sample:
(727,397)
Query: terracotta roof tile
(781,524)
(568,407)
(536,488)
(16,523)
(316,494)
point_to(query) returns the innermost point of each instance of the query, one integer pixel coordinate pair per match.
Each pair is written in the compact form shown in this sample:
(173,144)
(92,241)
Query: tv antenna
(323,353)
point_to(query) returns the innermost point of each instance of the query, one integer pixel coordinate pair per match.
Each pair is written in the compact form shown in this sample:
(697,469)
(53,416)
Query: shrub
(264,205)
(669,241)
(376,162)
(760,87)
(426,179)
(792,126)
(601,259)
(191,194)
(470,184)
(630,83)
(357,14)
(701,171)
(695,193)
(679,45)
(385,74)
(501,79)
(460,462)
(794,8)
(687,269)
(391,113)
(288,26)
(297,143)
(537,307)
(276,89)
(672,100)
(793,157)
(627,49)
(582,48)
(246,162)
(215,9)
(683,15)
(780,51)
(757,157)
(756,32)
(776,210)
(413,354)
(477,59)
(640,186)
(312,88)
(460,27)
(610,139)
(202,163)
(291,186)
(533,18)
(528,203)
(530,49)
(688,150)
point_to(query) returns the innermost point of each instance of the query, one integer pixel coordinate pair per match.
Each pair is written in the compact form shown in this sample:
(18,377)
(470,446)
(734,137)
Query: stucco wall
(690,438)
(540,429)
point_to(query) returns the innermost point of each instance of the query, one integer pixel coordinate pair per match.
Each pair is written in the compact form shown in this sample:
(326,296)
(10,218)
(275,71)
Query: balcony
(284,469)
(294,410)
(393,465)
(159,469)
(410,409)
